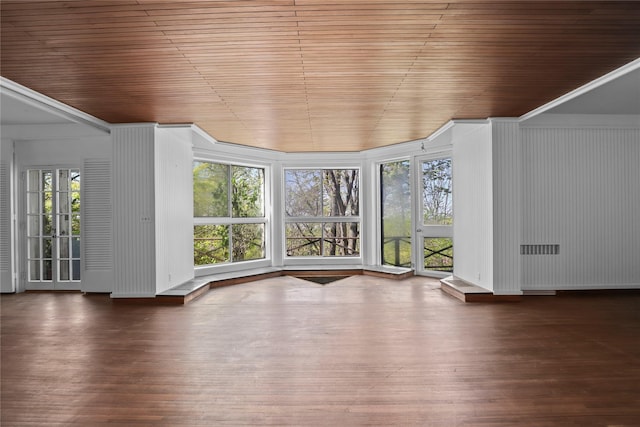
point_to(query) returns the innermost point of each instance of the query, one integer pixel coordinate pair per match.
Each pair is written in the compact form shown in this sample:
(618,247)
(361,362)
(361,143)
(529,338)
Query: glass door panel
(395,213)
(53,228)
(435,232)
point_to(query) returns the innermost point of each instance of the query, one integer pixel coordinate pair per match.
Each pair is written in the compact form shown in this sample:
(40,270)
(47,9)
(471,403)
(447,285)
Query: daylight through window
(228,205)
(322,212)
(395,206)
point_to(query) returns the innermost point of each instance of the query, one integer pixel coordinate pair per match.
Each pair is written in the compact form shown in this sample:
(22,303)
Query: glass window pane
(46,181)
(33,205)
(63,180)
(34,248)
(64,247)
(248,241)
(438,253)
(341,239)
(303,239)
(75,225)
(396,251)
(340,192)
(47,205)
(437,187)
(75,202)
(74,174)
(76,269)
(248,195)
(64,270)
(34,270)
(75,247)
(395,186)
(33,225)
(63,202)
(33,180)
(47,248)
(210,190)
(75,190)
(47,270)
(303,192)
(63,225)
(210,244)
(47,226)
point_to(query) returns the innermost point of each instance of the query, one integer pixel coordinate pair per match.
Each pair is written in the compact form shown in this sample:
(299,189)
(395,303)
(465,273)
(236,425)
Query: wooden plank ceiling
(313,75)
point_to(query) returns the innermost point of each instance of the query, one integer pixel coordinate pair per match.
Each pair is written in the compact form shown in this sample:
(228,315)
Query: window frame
(380,210)
(229,266)
(322,220)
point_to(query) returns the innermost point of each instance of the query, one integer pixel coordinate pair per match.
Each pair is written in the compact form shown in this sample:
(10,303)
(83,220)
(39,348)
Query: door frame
(420,231)
(23,273)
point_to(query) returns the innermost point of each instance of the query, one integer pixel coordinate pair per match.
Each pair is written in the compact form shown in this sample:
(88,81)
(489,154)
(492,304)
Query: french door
(434,231)
(52,229)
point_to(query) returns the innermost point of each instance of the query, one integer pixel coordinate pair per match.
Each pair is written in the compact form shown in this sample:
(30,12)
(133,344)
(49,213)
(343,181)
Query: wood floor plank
(284,351)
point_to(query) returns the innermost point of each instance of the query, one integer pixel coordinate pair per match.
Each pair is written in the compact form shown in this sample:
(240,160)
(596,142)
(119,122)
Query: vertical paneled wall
(582,191)
(97,226)
(133,211)
(472,200)
(174,207)
(507,213)
(6,242)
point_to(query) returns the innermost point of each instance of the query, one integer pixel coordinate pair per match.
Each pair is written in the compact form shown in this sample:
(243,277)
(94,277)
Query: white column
(507,206)
(173,206)
(473,204)
(133,210)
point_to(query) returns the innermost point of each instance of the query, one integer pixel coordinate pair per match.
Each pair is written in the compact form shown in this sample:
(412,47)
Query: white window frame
(378,203)
(230,266)
(421,230)
(350,260)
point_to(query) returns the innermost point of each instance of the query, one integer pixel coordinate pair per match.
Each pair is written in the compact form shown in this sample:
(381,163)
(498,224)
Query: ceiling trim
(43,102)
(619,72)
(51,131)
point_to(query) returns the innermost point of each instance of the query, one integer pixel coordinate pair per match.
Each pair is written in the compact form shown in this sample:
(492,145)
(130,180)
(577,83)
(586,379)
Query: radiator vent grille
(539,249)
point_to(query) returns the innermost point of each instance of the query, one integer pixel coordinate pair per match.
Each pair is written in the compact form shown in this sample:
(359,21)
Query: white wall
(61,152)
(581,190)
(76,153)
(134,211)
(173,207)
(506,170)
(472,199)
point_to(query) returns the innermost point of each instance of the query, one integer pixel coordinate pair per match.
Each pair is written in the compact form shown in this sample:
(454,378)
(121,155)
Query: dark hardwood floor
(284,351)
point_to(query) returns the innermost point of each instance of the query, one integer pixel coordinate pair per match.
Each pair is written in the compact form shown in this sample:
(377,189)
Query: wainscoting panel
(507,217)
(581,191)
(133,210)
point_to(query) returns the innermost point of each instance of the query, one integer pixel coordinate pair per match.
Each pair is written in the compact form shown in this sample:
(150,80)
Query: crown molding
(43,102)
(619,72)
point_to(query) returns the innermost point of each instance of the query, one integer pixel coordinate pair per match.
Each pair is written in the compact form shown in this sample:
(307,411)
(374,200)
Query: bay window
(322,212)
(229,213)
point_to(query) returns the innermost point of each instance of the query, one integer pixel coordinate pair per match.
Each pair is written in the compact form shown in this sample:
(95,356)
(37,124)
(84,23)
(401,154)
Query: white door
(52,232)
(434,230)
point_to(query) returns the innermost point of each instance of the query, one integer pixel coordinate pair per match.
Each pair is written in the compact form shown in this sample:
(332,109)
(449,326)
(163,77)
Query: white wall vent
(539,249)
(97,202)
